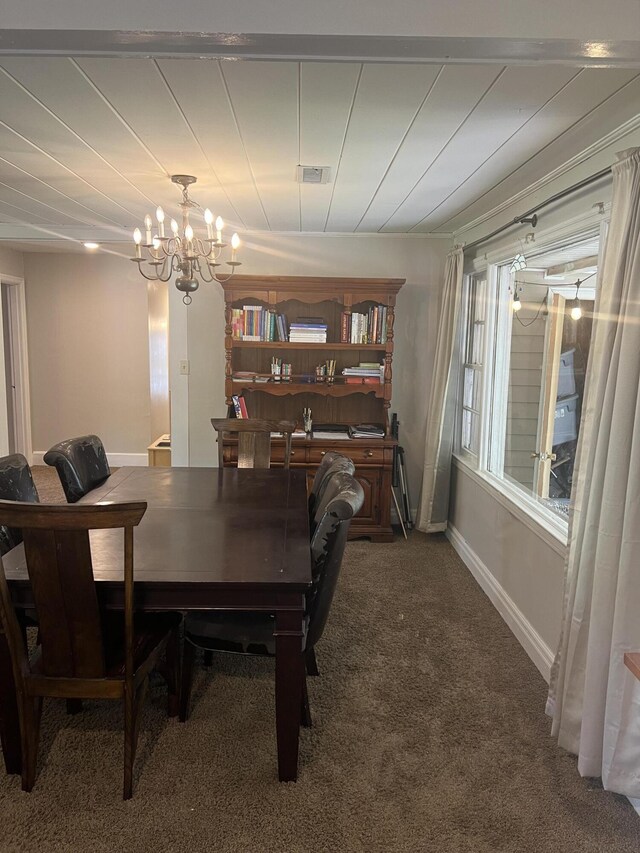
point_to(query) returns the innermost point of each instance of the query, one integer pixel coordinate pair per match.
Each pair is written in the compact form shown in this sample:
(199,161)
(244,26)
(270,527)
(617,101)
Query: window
(530,349)
(473,364)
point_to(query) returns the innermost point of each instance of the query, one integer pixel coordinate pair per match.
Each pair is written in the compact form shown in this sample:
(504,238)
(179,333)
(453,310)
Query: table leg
(9,722)
(289,674)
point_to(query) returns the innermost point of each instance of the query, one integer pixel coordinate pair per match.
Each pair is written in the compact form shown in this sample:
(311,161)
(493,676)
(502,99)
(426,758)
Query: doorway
(15,413)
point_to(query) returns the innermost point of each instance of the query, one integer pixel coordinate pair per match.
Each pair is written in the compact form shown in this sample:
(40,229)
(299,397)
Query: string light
(576,310)
(516,305)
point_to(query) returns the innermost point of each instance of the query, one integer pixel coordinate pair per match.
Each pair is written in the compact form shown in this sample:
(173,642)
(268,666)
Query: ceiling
(87,144)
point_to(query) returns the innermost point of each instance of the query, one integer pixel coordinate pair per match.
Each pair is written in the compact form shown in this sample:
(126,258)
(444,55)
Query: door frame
(20,354)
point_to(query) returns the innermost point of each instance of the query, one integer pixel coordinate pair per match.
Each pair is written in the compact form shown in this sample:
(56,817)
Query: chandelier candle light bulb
(193,258)
(208,218)
(160,218)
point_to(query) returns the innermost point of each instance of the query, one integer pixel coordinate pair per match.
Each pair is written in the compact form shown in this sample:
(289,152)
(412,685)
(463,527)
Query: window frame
(470,287)
(495,378)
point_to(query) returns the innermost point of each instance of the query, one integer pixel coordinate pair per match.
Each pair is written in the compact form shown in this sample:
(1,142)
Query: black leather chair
(16,484)
(318,497)
(325,470)
(81,464)
(252,632)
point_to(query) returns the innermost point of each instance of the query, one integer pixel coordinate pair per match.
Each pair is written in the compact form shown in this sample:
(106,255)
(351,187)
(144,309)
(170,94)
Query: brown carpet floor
(429,735)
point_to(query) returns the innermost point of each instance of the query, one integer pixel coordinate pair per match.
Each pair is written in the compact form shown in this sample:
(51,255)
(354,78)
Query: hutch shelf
(330,302)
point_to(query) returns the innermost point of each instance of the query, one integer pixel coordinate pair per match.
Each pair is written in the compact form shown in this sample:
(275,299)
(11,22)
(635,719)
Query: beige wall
(87,320)
(419,260)
(525,568)
(11,262)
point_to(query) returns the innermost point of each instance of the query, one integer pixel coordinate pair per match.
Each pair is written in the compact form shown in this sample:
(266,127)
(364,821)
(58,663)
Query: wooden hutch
(248,374)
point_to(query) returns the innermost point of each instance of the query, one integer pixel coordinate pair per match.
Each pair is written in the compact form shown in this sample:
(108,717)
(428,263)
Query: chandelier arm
(155,277)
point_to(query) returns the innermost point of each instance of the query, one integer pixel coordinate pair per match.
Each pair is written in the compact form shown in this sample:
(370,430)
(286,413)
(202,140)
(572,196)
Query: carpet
(429,735)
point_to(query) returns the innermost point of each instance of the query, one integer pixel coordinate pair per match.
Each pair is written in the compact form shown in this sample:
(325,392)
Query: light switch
(184,367)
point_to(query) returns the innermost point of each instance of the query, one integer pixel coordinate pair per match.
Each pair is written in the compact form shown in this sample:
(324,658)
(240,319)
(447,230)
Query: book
(236,405)
(344,327)
(243,407)
(366,431)
(331,436)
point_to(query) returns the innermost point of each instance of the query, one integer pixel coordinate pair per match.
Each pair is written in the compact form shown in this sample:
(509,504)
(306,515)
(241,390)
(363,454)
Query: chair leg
(188,656)
(311,662)
(133,702)
(207,660)
(172,674)
(30,735)
(305,715)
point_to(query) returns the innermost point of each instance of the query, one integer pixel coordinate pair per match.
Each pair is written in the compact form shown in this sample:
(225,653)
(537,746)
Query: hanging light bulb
(576,310)
(516,305)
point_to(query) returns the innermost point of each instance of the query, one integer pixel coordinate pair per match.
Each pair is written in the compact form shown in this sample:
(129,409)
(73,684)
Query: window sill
(552,530)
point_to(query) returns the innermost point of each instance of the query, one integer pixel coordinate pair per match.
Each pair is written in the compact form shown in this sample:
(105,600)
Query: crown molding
(583,156)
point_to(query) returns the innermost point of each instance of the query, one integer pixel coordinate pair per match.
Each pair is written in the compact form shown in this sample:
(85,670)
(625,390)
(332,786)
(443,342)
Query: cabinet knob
(323,453)
(368,453)
(293,453)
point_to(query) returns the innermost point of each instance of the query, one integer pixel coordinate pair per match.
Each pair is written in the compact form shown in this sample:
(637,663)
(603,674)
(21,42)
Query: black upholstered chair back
(324,471)
(81,464)
(16,484)
(327,549)
(329,488)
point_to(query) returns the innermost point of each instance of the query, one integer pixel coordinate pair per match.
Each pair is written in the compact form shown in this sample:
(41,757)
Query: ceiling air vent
(313,174)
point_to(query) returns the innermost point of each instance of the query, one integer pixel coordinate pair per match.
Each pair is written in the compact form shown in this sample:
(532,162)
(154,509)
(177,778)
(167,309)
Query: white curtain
(434,502)
(594,699)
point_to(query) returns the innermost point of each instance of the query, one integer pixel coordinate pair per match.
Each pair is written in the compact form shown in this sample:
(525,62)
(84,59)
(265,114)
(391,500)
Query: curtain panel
(593,698)
(433,510)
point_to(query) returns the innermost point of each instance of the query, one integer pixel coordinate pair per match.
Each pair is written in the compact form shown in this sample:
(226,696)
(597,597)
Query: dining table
(211,538)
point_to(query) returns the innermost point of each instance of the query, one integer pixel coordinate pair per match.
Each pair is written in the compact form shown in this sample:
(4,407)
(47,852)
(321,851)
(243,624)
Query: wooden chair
(254,440)
(252,632)
(81,464)
(84,653)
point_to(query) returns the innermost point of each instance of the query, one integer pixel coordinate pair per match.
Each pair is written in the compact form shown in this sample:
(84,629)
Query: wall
(521,571)
(11,262)
(419,260)
(87,325)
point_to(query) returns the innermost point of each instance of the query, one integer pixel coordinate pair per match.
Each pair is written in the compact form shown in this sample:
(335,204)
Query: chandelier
(183,252)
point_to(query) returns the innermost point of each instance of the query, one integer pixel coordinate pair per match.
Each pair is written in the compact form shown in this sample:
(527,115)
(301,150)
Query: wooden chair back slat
(66,602)
(254,440)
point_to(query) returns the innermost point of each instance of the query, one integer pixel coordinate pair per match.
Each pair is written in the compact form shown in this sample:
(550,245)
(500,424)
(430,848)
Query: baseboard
(116,460)
(525,633)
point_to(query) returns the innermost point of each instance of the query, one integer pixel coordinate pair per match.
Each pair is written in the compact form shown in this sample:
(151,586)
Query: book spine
(243,408)
(236,405)
(344,328)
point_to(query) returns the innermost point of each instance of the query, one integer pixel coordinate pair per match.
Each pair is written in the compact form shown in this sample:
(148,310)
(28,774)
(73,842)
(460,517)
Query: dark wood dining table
(211,538)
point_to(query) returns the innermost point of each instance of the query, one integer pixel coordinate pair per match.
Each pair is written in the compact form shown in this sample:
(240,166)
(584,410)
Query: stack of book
(366,431)
(257,323)
(369,328)
(308,330)
(367,373)
(239,406)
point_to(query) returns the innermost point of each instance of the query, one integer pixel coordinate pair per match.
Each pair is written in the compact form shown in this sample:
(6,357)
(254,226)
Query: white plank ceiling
(87,145)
